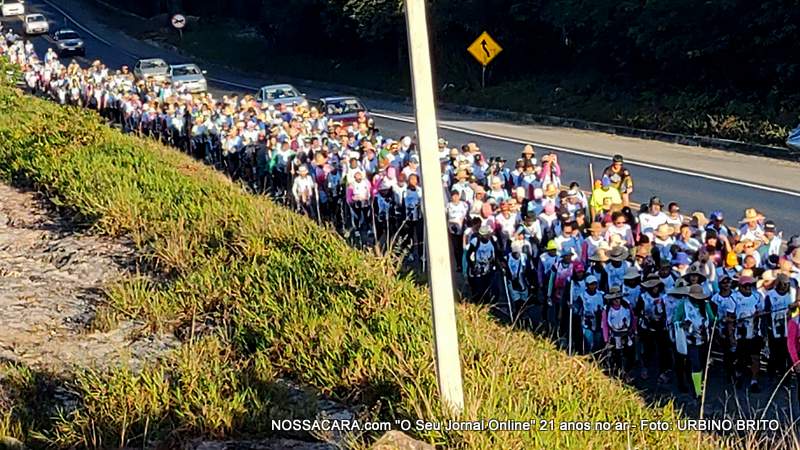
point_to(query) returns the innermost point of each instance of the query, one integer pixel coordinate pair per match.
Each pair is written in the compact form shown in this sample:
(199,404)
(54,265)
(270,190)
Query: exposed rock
(396,440)
(51,278)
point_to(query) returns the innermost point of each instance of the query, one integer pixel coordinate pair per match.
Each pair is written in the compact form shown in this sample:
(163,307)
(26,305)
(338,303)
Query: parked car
(188,76)
(36,24)
(151,69)
(12,8)
(343,109)
(284,94)
(69,42)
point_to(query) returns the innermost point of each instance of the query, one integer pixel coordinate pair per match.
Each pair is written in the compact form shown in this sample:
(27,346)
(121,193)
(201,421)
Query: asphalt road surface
(697,178)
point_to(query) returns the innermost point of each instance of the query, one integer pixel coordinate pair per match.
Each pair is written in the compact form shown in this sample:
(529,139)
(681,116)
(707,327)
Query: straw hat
(751,215)
(528,150)
(664,231)
(767,277)
(550,190)
(485,230)
(599,256)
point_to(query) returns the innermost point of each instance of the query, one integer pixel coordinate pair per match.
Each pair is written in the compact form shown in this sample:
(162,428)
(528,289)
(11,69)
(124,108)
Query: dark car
(69,42)
(342,109)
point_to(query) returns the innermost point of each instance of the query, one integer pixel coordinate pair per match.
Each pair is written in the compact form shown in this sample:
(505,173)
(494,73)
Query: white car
(12,8)
(36,24)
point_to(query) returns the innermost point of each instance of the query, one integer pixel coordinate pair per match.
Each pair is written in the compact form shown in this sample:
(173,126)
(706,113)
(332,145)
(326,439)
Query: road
(697,178)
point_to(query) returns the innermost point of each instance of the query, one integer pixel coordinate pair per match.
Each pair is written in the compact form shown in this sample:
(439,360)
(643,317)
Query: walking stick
(316,196)
(569,338)
(591,189)
(508,298)
(372,214)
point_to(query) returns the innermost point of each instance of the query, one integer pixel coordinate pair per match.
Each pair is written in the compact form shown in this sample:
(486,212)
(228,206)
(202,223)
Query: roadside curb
(527,118)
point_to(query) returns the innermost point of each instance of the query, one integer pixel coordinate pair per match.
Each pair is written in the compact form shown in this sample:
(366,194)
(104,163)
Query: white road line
(599,156)
(492,136)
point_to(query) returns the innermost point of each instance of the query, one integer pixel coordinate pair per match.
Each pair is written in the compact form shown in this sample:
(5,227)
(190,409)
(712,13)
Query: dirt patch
(52,275)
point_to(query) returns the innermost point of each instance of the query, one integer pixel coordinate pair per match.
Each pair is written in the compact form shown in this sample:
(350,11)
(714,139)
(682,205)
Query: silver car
(189,77)
(151,69)
(284,94)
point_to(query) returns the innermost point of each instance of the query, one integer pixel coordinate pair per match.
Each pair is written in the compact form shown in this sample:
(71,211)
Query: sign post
(484,50)
(448,360)
(178,22)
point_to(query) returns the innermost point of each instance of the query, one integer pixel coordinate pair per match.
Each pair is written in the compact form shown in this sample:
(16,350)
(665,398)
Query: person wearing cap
(779,301)
(547,259)
(772,239)
(717,224)
(749,309)
(456,211)
(696,319)
(482,262)
(517,269)
(619,328)
(602,194)
(653,217)
(411,205)
(620,178)
(589,306)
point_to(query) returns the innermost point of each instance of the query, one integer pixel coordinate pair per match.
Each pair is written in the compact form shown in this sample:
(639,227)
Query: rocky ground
(51,277)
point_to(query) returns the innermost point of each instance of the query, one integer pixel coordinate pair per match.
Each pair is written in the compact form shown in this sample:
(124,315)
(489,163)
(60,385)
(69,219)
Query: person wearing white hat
(631,288)
(303,191)
(590,306)
(482,256)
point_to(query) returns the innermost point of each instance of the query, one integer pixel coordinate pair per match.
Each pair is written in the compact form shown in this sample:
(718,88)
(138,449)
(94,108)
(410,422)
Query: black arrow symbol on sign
(485,48)
(178,21)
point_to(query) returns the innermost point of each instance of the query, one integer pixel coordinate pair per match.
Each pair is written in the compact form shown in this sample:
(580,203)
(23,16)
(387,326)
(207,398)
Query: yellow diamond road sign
(484,49)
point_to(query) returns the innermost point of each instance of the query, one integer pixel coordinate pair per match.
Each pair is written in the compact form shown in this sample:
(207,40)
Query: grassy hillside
(257,292)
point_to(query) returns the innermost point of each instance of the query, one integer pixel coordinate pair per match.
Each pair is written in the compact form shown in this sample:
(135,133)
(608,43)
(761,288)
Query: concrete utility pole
(448,361)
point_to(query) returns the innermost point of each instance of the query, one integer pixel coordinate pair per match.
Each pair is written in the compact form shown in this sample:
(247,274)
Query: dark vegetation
(723,69)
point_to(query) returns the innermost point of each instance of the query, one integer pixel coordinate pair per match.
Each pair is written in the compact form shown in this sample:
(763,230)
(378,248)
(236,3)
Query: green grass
(257,292)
